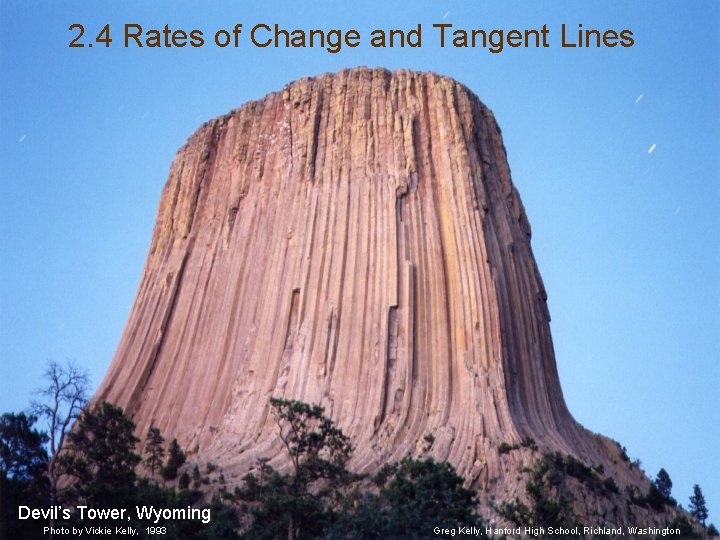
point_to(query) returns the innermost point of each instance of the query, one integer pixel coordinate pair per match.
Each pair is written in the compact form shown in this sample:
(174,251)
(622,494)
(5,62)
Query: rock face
(353,240)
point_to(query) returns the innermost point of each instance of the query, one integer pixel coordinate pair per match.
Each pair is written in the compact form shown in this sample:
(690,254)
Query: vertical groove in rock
(353,240)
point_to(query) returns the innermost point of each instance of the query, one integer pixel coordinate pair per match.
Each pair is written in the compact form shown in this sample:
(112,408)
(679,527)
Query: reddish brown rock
(353,240)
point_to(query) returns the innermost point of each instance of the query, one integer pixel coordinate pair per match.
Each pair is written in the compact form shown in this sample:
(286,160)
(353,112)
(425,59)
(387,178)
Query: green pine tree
(101,458)
(414,496)
(663,483)
(154,450)
(23,466)
(176,458)
(289,505)
(698,508)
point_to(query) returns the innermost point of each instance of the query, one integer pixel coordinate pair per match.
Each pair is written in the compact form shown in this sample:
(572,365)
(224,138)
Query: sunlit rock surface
(352,240)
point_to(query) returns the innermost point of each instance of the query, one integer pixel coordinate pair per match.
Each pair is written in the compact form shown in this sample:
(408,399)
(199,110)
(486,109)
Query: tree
(414,497)
(22,455)
(60,403)
(101,457)
(659,494)
(101,461)
(23,461)
(300,504)
(196,478)
(425,491)
(663,483)
(698,508)
(184,481)
(154,449)
(223,524)
(282,508)
(317,448)
(176,459)
(664,486)
(319,497)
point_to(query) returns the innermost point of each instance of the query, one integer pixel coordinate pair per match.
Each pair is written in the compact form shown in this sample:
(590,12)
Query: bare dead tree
(60,403)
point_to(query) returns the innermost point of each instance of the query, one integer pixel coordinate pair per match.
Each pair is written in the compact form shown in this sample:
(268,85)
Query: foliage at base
(317,497)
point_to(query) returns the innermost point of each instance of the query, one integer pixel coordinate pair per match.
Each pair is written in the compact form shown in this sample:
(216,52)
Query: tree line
(89,455)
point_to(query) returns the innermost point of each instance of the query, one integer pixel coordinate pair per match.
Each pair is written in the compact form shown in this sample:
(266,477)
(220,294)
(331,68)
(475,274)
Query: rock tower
(354,240)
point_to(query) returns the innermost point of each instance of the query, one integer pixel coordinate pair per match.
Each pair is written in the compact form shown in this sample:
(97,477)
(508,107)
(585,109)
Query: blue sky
(627,240)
